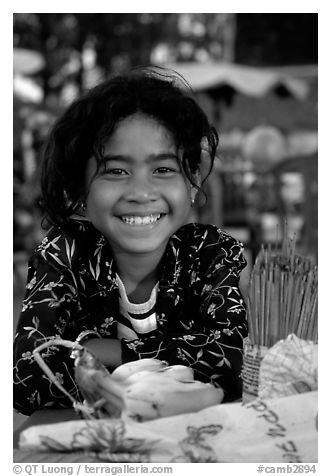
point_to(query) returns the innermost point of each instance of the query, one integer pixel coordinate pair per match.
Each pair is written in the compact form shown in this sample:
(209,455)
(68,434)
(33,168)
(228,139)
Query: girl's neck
(139,275)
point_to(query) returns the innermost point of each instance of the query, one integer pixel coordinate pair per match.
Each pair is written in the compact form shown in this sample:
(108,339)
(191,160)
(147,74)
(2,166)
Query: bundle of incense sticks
(282,296)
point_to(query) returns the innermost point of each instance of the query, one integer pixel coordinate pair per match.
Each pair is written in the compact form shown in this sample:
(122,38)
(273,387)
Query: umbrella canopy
(247,80)
(287,114)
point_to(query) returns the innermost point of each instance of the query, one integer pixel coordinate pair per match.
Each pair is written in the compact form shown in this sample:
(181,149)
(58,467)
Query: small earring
(192,202)
(83,208)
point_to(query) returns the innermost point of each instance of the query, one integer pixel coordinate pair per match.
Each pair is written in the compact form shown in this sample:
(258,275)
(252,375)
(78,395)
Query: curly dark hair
(85,126)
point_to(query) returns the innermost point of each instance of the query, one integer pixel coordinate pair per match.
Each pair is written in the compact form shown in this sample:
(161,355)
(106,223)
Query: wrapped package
(289,367)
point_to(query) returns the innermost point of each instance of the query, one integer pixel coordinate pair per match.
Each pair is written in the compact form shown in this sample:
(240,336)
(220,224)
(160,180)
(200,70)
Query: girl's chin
(139,245)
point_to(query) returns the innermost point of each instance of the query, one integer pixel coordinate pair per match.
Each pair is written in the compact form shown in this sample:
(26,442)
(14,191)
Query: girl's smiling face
(141,197)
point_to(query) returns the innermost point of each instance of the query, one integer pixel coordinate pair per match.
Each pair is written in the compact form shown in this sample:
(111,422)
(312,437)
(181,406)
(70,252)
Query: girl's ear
(194,189)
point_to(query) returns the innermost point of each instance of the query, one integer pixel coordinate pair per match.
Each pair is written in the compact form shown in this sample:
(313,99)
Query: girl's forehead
(140,130)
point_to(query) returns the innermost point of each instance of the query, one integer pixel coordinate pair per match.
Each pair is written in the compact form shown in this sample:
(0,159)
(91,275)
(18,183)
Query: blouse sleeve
(50,299)
(215,354)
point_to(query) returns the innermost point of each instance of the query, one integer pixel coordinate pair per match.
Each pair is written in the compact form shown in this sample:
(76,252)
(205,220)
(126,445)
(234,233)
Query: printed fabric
(72,287)
(279,430)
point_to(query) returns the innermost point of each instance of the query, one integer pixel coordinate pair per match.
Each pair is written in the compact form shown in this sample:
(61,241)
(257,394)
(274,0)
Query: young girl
(121,271)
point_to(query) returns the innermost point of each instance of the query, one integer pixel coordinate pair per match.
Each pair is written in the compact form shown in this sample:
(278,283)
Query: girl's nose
(142,190)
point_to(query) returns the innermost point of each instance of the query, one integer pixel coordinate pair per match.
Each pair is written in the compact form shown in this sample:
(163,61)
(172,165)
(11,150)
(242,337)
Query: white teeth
(140,220)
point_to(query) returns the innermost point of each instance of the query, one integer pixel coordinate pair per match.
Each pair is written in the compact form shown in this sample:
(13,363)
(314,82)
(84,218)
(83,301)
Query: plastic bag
(288,368)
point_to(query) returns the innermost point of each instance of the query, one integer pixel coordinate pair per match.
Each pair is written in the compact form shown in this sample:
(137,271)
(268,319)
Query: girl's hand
(108,351)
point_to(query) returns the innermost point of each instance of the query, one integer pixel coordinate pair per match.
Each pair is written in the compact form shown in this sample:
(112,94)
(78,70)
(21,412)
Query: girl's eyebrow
(150,158)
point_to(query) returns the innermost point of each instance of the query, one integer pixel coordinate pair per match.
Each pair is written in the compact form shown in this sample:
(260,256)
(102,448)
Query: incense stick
(282,295)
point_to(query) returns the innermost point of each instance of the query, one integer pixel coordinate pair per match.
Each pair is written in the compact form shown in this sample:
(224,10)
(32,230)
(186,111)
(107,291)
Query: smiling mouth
(142,220)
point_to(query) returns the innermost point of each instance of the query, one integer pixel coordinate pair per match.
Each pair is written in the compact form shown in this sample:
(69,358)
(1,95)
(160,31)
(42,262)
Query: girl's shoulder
(209,245)
(61,247)
(202,235)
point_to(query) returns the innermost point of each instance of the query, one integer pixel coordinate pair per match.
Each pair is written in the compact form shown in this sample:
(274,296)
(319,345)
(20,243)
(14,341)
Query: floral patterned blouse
(72,287)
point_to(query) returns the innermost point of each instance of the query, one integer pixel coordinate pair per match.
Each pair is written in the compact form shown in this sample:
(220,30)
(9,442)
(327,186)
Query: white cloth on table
(281,430)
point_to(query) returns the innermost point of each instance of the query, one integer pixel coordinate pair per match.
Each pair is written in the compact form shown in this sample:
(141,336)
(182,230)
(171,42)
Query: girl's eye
(116,172)
(165,170)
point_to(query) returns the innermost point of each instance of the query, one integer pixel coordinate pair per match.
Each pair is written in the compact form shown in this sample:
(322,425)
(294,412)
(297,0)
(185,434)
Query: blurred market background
(254,74)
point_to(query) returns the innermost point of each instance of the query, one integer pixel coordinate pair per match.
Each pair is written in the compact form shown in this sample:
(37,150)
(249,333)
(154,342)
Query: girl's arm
(50,299)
